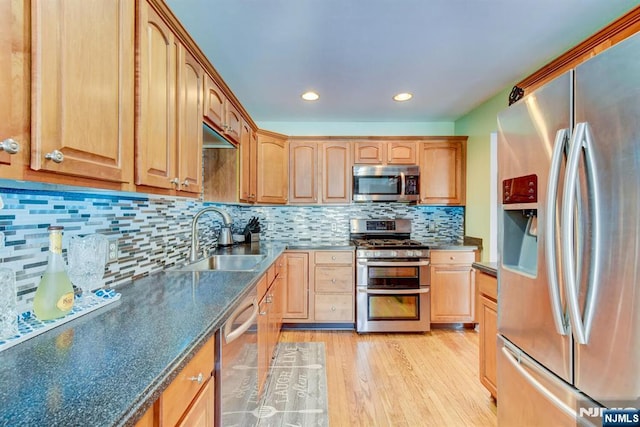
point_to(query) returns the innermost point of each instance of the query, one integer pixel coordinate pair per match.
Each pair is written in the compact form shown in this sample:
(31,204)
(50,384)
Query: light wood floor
(403,379)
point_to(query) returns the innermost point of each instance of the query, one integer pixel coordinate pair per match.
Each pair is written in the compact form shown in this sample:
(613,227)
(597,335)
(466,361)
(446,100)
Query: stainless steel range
(392,277)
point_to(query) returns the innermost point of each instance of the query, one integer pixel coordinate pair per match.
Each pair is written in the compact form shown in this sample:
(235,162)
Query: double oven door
(392,295)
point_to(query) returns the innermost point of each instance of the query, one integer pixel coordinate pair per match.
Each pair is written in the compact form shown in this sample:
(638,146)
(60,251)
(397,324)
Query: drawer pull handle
(197,379)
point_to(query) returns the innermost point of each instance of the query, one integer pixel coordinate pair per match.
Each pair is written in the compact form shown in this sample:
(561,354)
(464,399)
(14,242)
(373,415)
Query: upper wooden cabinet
(156,106)
(273,168)
(220,113)
(385,152)
(443,171)
(189,149)
(166,158)
(303,172)
(319,171)
(335,169)
(83,88)
(248,164)
(14,87)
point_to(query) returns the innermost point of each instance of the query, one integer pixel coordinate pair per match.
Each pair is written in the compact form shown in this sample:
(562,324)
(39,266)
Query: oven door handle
(393,291)
(393,263)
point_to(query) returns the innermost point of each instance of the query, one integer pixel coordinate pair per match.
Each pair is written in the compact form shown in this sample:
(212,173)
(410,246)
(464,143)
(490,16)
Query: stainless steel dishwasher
(237,366)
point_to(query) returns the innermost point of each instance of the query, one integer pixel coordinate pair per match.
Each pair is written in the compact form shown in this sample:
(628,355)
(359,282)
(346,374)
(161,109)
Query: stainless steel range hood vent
(212,139)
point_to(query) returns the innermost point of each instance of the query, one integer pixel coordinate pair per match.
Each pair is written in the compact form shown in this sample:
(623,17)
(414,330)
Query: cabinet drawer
(453,257)
(178,396)
(334,279)
(487,285)
(334,307)
(334,257)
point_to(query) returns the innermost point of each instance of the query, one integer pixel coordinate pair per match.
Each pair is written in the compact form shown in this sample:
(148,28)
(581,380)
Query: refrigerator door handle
(596,245)
(550,232)
(517,362)
(581,139)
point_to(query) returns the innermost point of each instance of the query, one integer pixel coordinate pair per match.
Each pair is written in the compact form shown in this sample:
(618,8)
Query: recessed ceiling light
(404,96)
(310,96)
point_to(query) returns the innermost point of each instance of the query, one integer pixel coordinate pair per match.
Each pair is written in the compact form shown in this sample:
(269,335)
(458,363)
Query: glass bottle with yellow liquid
(54,296)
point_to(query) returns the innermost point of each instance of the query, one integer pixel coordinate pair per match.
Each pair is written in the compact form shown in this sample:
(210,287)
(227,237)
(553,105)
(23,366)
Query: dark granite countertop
(491,268)
(107,367)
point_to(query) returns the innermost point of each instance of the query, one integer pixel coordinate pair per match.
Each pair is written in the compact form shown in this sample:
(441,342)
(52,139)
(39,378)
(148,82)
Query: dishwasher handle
(232,335)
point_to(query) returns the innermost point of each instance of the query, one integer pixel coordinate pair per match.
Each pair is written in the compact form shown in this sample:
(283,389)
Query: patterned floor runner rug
(296,391)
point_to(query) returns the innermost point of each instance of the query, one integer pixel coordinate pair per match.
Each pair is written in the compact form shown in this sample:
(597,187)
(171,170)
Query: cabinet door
(273,169)
(248,164)
(14,87)
(83,88)
(443,172)
(202,411)
(215,101)
(296,301)
(156,138)
(452,294)
(368,153)
(189,153)
(336,172)
(401,153)
(488,343)
(233,123)
(303,175)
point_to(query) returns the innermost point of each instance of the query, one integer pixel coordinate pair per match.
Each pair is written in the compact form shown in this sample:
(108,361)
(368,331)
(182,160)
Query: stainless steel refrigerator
(569,246)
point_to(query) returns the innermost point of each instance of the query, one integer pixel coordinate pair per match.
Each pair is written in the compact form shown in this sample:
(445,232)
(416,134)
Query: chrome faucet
(224,238)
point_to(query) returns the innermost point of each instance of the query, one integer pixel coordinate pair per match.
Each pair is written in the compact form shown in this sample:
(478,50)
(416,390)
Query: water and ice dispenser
(520,224)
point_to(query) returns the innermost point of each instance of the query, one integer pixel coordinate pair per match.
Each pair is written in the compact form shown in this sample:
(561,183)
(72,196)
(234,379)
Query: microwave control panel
(522,189)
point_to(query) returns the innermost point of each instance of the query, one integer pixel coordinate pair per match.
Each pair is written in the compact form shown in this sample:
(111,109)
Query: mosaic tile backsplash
(154,232)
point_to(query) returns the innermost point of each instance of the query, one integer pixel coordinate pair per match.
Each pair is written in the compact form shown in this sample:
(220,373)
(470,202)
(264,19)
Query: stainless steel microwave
(386,183)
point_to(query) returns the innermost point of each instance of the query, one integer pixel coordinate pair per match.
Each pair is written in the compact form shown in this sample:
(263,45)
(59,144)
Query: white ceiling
(451,54)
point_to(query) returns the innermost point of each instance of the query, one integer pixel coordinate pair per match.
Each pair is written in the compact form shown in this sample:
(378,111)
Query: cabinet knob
(333,258)
(269,299)
(55,155)
(333,308)
(197,379)
(333,280)
(185,183)
(10,146)
(452,258)
(175,181)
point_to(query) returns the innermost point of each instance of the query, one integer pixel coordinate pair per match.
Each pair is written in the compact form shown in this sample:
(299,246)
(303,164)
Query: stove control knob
(376,253)
(417,253)
(394,253)
(409,253)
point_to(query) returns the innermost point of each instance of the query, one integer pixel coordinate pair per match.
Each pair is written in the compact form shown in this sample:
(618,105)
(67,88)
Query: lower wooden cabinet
(488,320)
(190,398)
(270,317)
(179,398)
(323,283)
(201,413)
(452,287)
(295,304)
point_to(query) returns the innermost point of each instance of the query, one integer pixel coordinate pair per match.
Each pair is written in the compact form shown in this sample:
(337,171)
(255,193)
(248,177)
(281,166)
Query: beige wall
(478,125)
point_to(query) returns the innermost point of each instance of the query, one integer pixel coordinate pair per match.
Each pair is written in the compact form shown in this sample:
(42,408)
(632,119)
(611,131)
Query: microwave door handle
(403,183)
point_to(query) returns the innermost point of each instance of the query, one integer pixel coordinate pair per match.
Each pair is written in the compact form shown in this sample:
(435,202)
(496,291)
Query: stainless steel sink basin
(226,263)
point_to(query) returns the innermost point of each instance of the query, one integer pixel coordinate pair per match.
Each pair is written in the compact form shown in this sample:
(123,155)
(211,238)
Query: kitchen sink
(226,263)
